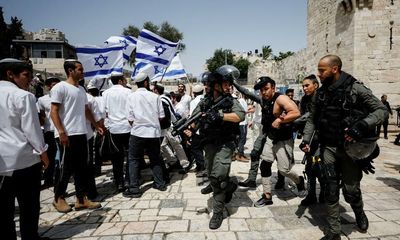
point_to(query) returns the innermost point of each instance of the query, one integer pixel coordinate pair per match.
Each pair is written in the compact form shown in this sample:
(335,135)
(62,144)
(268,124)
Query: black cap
(262,81)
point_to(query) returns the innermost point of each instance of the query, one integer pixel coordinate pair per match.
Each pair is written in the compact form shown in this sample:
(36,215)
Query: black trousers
(24,185)
(137,145)
(122,143)
(48,174)
(74,161)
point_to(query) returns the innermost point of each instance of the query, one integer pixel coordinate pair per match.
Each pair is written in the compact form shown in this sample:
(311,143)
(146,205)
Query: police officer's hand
(366,166)
(357,131)
(305,146)
(214,116)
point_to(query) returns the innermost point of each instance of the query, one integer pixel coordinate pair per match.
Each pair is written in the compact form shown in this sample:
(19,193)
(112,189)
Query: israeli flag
(128,42)
(174,71)
(100,62)
(153,53)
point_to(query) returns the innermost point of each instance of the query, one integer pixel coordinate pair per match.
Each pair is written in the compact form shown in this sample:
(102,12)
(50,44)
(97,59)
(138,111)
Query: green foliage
(218,60)
(283,55)
(266,51)
(8,32)
(243,65)
(131,31)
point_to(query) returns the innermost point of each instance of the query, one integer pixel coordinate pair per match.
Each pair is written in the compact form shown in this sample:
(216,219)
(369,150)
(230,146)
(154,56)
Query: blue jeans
(137,145)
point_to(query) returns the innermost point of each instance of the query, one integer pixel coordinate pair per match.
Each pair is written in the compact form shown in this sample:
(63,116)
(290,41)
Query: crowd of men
(178,131)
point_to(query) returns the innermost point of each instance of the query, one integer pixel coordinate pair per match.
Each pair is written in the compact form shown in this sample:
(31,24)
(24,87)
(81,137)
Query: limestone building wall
(364,33)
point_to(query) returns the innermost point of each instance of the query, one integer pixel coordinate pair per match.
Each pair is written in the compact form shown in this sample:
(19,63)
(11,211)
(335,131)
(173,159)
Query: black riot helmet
(204,78)
(228,72)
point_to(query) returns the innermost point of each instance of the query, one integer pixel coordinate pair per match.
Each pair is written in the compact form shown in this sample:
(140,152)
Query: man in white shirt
(115,99)
(182,107)
(69,110)
(43,105)
(22,151)
(145,111)
(243,131)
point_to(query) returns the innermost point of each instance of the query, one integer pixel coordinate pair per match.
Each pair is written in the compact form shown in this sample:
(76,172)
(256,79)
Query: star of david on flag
(100,62)
(174,71)
(153,53)
(128,42)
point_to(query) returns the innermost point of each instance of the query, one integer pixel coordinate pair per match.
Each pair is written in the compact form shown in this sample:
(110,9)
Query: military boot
(331,236)
(248,183)
(85,203)
(216,220)
(206,190)
(361,220)
(311,197)
(61,205)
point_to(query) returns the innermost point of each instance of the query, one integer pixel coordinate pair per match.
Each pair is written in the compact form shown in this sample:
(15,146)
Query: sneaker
(206,190)
(331,236)
(85,203)
(120,187)
(263,201)
(161,188)
(362,220)
(309,200)
(129,194)
(202,173)
(61,205)
(248,183)
(216,220)
(230,189)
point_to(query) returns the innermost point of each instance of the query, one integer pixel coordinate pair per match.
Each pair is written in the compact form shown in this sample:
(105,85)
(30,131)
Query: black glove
(358,130)
(303,144)
(214,117)
(366,166)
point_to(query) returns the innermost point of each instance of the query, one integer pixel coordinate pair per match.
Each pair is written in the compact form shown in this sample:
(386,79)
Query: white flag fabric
(128,42)
(174,71)
(100,62)
(153,53)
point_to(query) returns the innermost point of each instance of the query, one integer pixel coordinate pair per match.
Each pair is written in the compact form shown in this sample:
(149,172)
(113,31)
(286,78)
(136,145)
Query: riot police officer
(218,130)
(343,112)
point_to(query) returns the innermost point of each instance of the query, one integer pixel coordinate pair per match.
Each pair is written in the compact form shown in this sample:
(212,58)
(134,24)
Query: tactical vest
(219,133)
(281,134)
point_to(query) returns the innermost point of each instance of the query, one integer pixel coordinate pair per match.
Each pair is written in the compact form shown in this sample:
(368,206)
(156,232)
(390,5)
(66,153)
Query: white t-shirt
(72,100)
(94,108)
(243,103)
(44,104)
(182,107)
(115,99)
(21,138)
(145,109)
(193,104)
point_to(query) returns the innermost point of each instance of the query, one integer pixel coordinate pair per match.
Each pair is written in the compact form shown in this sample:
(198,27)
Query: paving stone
(172,203)
(110,229)
(377,229)
(139,227)
(220,235)
(171,226)
(263,224)
(171,212)
(202,226)
(389,215)
(238,225)
(181,236)
(143,237)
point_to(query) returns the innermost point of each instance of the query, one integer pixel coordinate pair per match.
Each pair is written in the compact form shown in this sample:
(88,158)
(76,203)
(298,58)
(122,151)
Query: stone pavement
(177,213)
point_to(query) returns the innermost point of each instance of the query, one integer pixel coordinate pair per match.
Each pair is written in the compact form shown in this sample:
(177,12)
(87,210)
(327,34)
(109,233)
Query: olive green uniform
(219,146)
(338,168)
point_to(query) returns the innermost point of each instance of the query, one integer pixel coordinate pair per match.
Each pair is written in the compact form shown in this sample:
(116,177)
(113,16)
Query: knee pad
(265,169)
(352,194)
(332,191)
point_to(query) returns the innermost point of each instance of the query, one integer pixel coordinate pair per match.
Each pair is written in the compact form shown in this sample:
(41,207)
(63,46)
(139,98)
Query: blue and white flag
(100,62)
(174,71)
(153,53)
(128,42)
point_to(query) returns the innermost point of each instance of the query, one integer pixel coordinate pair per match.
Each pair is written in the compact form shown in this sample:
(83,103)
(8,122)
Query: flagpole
(170,63)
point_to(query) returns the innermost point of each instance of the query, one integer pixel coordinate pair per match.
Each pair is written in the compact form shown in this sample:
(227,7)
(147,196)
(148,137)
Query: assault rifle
(307,154)
(184,123)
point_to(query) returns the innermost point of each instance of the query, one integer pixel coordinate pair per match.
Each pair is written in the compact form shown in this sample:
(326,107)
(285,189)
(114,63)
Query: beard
(328,80)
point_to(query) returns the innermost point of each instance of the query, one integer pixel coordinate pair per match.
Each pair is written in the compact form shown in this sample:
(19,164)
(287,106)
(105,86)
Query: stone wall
(356,30)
